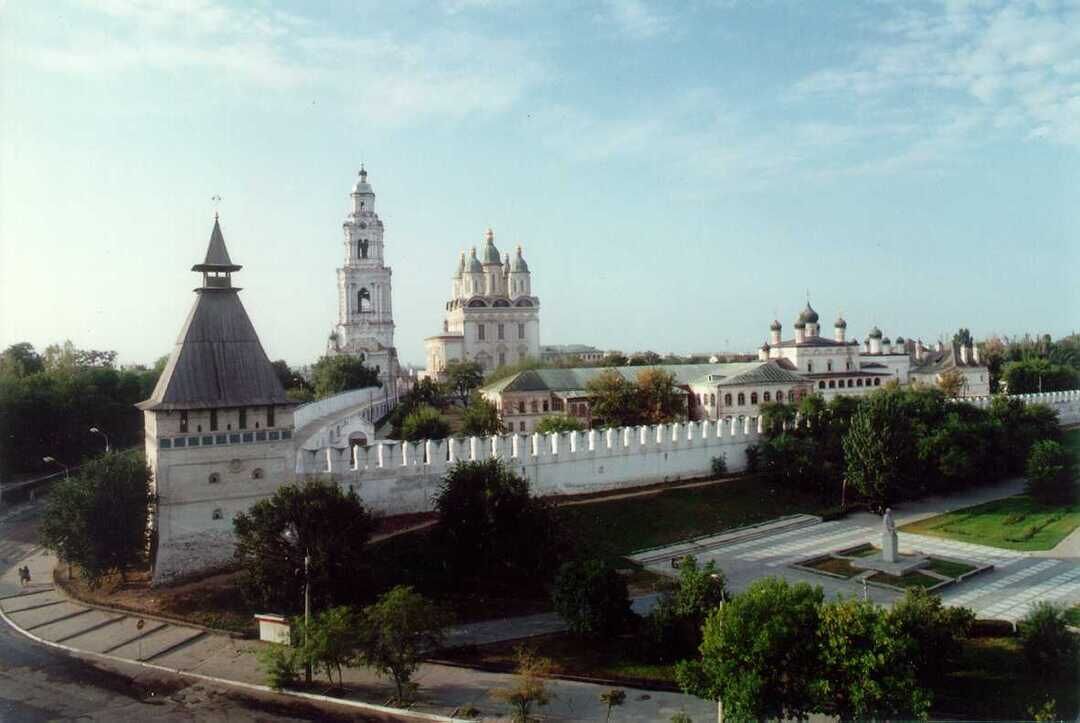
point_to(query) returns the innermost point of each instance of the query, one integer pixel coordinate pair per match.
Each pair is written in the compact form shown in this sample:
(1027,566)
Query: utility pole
(307,615)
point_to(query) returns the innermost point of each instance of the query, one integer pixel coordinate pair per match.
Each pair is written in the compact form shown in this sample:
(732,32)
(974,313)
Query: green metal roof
(567,380)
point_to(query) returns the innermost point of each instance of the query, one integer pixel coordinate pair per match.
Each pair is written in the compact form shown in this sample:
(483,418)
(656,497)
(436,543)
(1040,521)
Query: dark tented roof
(217,256)
(218,360)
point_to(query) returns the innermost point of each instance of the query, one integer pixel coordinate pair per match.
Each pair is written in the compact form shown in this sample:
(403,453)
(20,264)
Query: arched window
(832,384)
(521,406)
(742,399)
(534,407)
(821,385)
(214,478)
(217,514)
(780,396)
(712,400)
(767,397)
(753,397)
(257,473)
(363,301)
(809,366)
(828,366)
(858,382)
(727,400)
(850,383)
(361,248)
(877,381)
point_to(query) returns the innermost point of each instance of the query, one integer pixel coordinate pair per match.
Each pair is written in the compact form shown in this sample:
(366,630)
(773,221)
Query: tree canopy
(314,518)
(481,418)
(340,373)
(462,377)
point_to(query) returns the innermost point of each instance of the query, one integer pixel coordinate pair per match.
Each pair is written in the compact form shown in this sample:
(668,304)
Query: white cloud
(634,18)
(398,79)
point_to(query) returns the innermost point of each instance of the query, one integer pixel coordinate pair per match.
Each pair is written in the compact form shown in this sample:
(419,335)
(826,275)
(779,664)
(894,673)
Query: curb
(397,712)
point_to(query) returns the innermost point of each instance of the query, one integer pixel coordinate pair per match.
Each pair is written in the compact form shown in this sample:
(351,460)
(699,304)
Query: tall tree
(98,519)
(20,360)
(661,400)
(614,401)
(462,377)
(879,448)
(424,422)
(309,518)
(341,373)
(481,418)
(759,652)
(397,632)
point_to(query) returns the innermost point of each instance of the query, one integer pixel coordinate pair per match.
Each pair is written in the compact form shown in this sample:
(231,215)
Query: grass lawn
(616,528)
(835,565)
(616,659)
(1073,615)
(1014,523)
(911,579)
(948,568)
(993,681)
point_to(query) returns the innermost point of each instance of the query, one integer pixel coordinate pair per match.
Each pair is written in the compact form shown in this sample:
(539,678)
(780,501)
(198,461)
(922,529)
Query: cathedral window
(858,382)
(502,333)
(363,301)
(183,422)
(545,405)
(780,395)
(521,407)
(480,332)
(742,399)
(502,354)
(521,426)
(213,420)
(877,381)
(821,385)
(270,416)
(362,248)
(753,397)
(521,331)
(243,418)
(727,400)
(767,397)
(534,407)
(832,384)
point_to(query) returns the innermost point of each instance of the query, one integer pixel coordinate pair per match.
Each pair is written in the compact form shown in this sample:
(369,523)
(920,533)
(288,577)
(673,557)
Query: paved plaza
(1006,593)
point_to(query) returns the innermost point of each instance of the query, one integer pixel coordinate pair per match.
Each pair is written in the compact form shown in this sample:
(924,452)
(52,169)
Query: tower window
(183,422)
(363,301)
(362,248)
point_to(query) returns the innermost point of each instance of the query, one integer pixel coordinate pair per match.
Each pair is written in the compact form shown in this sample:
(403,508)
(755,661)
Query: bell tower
(365,326)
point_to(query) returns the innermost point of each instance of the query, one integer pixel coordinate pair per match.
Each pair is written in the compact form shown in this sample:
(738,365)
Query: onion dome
(518,265)
(362,186)
(475,266)
(886,340)
(808,315)
(765,346)
(840,323)
(899,340)
(460,267)
(775,326)
(490,254)
(875,333)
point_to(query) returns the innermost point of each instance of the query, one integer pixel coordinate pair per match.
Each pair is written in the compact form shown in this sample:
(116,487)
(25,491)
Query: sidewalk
(44,613)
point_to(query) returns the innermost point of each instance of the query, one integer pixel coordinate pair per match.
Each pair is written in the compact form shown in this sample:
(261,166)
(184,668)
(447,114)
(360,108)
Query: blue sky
(678,173)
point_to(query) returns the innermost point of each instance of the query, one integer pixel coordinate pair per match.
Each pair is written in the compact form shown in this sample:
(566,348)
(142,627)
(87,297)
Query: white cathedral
(492,317)
(365,326)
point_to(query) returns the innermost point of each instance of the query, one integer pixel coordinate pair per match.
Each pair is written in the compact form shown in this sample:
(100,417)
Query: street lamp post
(54,460)
(292,538)
(95,430)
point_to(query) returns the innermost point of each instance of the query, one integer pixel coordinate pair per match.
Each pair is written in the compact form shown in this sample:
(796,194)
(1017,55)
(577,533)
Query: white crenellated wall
(397,478)
(401,477)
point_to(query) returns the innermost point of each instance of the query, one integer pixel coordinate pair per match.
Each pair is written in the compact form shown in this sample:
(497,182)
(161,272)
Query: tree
(675,623)
(1034,374)
(330,640)
(296,387)
(759,652)
(340,373)
(1051,472)
(879,448)
(313,518)
(1049,646)
(280,663)
(424,422)
(591,598)
(397,632)
(98,519)
(490,527)
(963,337)
(952,383)
(462,377)
(933,632)
(558,423)
(661,400)
(529,688)
(645,358)
(21,360)
(864,672)
(614,400)
(481,418)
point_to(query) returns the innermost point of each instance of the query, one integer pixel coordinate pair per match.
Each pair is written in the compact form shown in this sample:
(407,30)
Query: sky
(678,174)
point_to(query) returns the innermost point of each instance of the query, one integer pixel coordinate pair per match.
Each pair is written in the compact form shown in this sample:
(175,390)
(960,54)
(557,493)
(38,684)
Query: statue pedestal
(897,566)
(889,552)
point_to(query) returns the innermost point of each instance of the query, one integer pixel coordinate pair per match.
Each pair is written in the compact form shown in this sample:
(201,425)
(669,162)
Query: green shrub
(591,597)
(753,457)
(280,663)
(719,465)
(1050,473)
(1049,646)
(424,422)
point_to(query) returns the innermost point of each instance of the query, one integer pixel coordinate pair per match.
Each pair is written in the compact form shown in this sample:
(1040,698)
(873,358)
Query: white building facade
(365,326)
(492,317)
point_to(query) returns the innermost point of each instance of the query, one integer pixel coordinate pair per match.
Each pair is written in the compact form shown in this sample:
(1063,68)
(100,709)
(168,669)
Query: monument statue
(888,537)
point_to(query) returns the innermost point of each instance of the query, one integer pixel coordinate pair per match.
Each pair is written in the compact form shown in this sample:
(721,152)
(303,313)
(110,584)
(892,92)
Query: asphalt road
(42,684)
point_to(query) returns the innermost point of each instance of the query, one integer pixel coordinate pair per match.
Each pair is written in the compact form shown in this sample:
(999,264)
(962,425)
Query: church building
(218,425)
(365,326)
(492,317)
